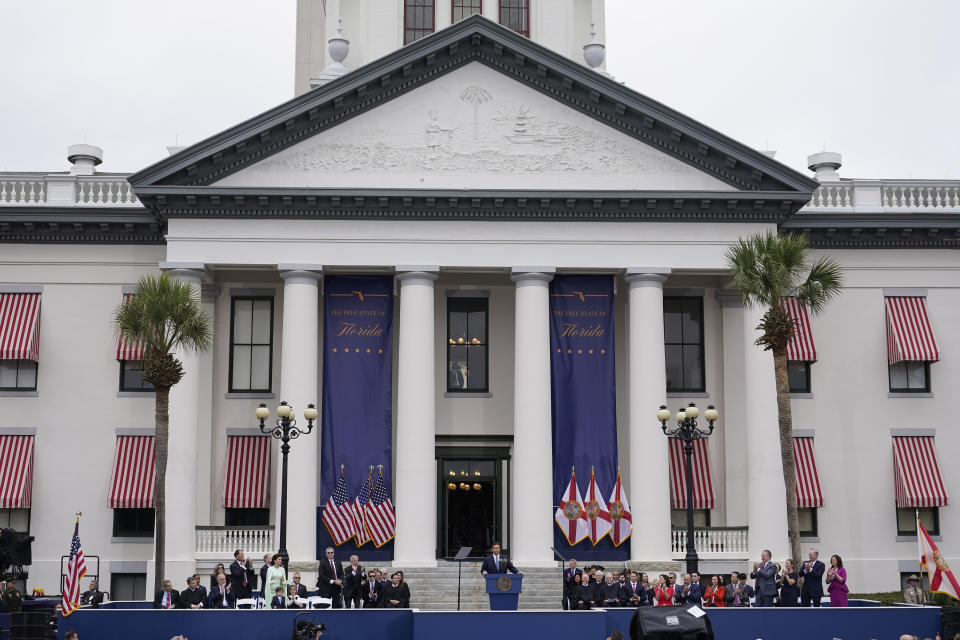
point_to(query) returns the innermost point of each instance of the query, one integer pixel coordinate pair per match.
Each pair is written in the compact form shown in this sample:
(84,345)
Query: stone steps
(435,588)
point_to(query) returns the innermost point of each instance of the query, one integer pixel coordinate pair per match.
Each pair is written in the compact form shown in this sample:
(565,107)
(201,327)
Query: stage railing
(215,543)
(712,542)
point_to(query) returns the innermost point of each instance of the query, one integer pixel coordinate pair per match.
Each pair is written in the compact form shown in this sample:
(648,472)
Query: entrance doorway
(471,496)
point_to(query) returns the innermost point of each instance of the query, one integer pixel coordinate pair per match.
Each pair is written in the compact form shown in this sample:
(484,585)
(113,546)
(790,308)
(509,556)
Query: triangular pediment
(473,128)
(474,106)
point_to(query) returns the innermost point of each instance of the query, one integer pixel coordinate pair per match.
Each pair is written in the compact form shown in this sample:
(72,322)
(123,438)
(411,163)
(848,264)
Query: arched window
(515,14)
(464,9)
(418,19)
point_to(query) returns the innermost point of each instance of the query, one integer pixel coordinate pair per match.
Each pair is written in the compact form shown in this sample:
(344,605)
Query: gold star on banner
(559,350)
(602,351)
(357,350)
(569,350)
(590,351)
(579,351)
(368,350)
(379,350)
(334,349)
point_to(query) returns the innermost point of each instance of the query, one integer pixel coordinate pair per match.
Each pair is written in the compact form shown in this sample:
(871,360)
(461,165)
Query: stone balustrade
(886,196)
(20,189)
(219,543)
(712,542)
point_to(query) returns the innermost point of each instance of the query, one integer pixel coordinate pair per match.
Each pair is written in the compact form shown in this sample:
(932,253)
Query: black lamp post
(285,431)
(688,431)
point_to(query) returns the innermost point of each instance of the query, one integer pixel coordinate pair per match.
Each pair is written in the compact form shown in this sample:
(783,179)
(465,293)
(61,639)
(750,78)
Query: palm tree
(164,315)
(766,268)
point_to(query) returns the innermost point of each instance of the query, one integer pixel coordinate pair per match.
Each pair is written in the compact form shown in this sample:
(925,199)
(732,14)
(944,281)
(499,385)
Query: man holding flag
(76,569)
(941,577)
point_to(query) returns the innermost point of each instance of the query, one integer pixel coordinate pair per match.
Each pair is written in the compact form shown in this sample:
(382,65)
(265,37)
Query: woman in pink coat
(837,582)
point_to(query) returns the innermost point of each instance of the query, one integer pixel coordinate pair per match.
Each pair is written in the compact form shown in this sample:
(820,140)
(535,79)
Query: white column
(649,457)
(531,531)
(732,419)
(766,496)
(182,455)
(208,300)
(415,473)
(299,356)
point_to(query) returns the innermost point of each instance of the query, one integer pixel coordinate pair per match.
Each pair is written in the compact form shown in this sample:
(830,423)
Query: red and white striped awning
(916,473)
(808,482)
(702,484)
(909,332)
(134,473)
(20,326)
(801,345)
(247,484)
(16,472)
(127,350)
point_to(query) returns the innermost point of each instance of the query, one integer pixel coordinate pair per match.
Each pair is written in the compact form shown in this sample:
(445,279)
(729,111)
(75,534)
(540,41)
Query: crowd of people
(339,586)
(593,587)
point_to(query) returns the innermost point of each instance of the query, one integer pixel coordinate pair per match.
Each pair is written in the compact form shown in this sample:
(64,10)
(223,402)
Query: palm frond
(165,315)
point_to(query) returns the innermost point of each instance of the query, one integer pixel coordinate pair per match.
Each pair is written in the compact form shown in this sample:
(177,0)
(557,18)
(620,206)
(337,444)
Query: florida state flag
(619,509)
(941,578)
(598,516)
(571,516)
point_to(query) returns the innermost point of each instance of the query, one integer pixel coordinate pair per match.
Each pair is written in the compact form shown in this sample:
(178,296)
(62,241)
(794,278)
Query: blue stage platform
(404,624)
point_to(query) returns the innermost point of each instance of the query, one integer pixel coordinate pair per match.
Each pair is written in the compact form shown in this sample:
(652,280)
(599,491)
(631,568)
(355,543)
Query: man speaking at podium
(497,563)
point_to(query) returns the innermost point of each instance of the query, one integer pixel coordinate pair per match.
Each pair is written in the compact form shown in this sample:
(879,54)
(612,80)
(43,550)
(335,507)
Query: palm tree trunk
(162,417)
(785,422)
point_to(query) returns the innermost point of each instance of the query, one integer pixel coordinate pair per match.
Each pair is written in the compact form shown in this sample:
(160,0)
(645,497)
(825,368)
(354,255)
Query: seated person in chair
(92,597)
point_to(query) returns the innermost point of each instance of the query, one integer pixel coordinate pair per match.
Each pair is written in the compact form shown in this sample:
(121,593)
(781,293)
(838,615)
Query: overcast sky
(872,79)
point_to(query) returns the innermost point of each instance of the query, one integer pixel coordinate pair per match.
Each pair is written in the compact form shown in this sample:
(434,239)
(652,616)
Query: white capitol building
(474,157)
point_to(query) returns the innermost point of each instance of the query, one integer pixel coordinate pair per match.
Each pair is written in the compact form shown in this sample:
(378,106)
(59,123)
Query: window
(907,521)
(18,375)
(678,518)
(251,345)
(683,344)
(910,377)
(515,14)
(16,519)
(131,376)
(467,344)
(128,586)
(417,19)
(798,373)
(133,523)
(465,8)
(246,517)
(808,522)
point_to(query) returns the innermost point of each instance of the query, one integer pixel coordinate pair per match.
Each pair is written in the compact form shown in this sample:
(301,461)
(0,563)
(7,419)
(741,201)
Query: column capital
(729,298)
(185,270)
(532,276)
(424,275)
(300,273)
(209,292)
(646,276)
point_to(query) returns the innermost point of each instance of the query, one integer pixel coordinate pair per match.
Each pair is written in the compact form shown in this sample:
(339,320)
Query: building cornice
(878,231)
(96,225)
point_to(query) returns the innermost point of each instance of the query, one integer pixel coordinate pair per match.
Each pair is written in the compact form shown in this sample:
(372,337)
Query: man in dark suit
(301,588)
(168,598)
(330,579)
(738,591)
(568,574)
(267,563)
(611,593)
(194,596)
(353,579)
(397,594)
(689,592)
(371,590)
(222,595)
(496,563)
(93,597)
(243,579)
(812,574)
(634,592)
(765,574)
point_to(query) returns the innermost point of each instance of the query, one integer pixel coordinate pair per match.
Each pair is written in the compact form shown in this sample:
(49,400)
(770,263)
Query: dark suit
(611,595)
(642,598)
(215,601)
(746,592)
(263,580)
(401,593)
(159,597)
(301,590)
(238,575)
(491,565)
(353,581)
(325,574)
(694,594)
(812,589)
(371,594)
(277,602)
(193,596)
(91,599)
(766,583)
(568,585)
(585,595)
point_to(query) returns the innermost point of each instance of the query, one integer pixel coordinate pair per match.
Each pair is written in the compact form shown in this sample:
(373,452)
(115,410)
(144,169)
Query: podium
(504,590)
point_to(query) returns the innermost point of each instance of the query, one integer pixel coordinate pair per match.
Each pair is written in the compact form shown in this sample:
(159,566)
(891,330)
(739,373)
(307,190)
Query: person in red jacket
(715,593)
(663,592)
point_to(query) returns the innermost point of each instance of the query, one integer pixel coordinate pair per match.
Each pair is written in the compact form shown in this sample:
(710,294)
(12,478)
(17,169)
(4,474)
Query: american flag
(76,569)
(361,535)
(338,516)
(380,516)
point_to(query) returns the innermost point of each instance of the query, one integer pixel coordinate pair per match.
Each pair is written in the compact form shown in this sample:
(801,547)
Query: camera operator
(309,630)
